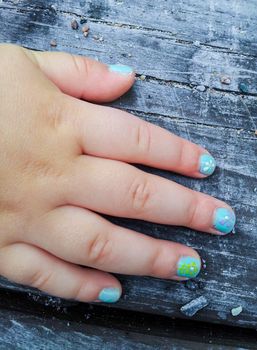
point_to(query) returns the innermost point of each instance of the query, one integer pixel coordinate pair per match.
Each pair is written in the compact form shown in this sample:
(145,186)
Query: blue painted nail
(121,69)
(224,220)
(188,267)
(109,295)
(207,164)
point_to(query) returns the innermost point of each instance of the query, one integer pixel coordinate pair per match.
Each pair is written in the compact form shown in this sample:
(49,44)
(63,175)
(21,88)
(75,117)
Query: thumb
(83,77)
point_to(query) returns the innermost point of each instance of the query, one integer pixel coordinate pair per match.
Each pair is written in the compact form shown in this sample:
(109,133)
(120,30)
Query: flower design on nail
(207,164)
(227,221)
(188,267)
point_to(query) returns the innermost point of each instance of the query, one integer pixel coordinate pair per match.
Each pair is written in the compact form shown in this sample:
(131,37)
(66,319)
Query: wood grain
(178,46)
(21,331)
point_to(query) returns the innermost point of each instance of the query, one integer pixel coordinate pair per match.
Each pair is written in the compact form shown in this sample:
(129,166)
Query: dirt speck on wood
(74,24)
(85,28)
(225,80)
(53,43)
(83,20)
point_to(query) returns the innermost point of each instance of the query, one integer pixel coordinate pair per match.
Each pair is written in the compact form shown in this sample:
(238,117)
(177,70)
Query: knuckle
(143,138)
(181,154)
(55,111)
(154,265)
(191,211)
(162,263)
(40,280)
(140,194)
(99,249)
(79,292)
(80,65)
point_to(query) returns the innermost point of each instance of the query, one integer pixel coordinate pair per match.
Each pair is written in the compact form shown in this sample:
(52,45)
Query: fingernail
(188,267)
(207,164)
(121,69)
(224,220)
(109,295)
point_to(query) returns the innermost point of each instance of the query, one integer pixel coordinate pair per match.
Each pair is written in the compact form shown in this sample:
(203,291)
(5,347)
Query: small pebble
(85,28)
(98,38)
(243,87)
(255,133)
(194,284)
(85,34)
(53,8)
(53,43)
(194,306)
(201,88)
(191,284)
(83,20)
(225,80)
(236,311)
(74,24)
(142,77)
(201,285)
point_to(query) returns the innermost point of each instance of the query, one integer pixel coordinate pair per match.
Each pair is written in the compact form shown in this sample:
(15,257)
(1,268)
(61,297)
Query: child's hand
(64,160)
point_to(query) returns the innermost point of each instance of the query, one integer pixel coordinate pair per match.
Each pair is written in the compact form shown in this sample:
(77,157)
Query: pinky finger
(29,265)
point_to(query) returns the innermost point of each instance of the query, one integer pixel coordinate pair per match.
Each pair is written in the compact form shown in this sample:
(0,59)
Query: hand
(64,161)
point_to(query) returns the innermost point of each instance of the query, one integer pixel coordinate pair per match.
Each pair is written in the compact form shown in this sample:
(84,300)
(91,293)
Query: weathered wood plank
(29,332)
(90,320)
(169,98)
(23,331)
(219,24)
(156,55)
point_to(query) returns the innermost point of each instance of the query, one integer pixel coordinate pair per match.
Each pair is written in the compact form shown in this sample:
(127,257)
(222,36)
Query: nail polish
(224,220)
(188,266)
(109,295)
(207,164)
(120,69)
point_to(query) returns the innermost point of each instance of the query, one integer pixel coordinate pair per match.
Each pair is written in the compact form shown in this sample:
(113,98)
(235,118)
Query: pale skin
(66,160)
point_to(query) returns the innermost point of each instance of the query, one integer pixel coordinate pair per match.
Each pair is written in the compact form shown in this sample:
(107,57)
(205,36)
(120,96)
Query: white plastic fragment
(236,311)
(191,308)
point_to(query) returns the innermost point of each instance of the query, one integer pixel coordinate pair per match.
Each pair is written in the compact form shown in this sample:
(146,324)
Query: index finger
(111,133)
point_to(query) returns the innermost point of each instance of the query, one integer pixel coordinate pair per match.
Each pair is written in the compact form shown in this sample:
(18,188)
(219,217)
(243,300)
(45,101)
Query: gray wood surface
(179,46)
(22,332)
